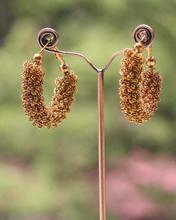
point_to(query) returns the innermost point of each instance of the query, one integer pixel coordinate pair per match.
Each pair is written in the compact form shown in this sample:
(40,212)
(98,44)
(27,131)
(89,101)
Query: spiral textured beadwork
(33,99)
(139,89)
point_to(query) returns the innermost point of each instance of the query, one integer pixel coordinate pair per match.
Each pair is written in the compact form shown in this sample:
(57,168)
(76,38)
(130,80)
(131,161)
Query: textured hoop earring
(140,84)
(32,87)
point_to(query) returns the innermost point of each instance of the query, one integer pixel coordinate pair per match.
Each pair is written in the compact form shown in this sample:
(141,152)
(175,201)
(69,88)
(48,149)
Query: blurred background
(51,174)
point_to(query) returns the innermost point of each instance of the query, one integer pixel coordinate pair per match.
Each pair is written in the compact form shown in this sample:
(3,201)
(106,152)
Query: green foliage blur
(47,172)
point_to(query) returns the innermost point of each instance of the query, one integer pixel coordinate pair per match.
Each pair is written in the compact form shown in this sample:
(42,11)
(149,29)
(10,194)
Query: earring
(32,87)
(140,83)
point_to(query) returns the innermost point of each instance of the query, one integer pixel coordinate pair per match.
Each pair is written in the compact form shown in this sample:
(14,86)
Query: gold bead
(150,61)
(139,47)
(64,68)
(37,56)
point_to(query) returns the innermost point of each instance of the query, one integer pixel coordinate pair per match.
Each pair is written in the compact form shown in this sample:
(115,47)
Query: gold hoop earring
(140,84)
(32,92)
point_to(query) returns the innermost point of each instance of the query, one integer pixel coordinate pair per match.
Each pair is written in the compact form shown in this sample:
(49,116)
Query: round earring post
(143,33)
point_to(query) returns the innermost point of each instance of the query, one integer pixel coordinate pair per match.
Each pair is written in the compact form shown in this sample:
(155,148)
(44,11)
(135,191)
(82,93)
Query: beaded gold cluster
(33,99)
(139,87)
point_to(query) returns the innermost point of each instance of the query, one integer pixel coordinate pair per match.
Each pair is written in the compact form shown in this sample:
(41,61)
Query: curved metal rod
(75,54)
(114,55)
(48,36)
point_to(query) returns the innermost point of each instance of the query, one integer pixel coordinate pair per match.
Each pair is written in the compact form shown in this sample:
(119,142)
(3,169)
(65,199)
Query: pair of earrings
(139,86)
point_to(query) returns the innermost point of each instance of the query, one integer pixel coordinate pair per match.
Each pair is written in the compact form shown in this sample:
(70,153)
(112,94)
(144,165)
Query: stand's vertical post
(101,147)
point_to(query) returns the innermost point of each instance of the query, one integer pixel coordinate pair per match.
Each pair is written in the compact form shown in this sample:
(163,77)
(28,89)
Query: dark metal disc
(49,37)
(144,34)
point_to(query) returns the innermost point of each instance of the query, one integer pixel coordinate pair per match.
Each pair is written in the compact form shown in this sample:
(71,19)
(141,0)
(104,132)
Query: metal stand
(101,127)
